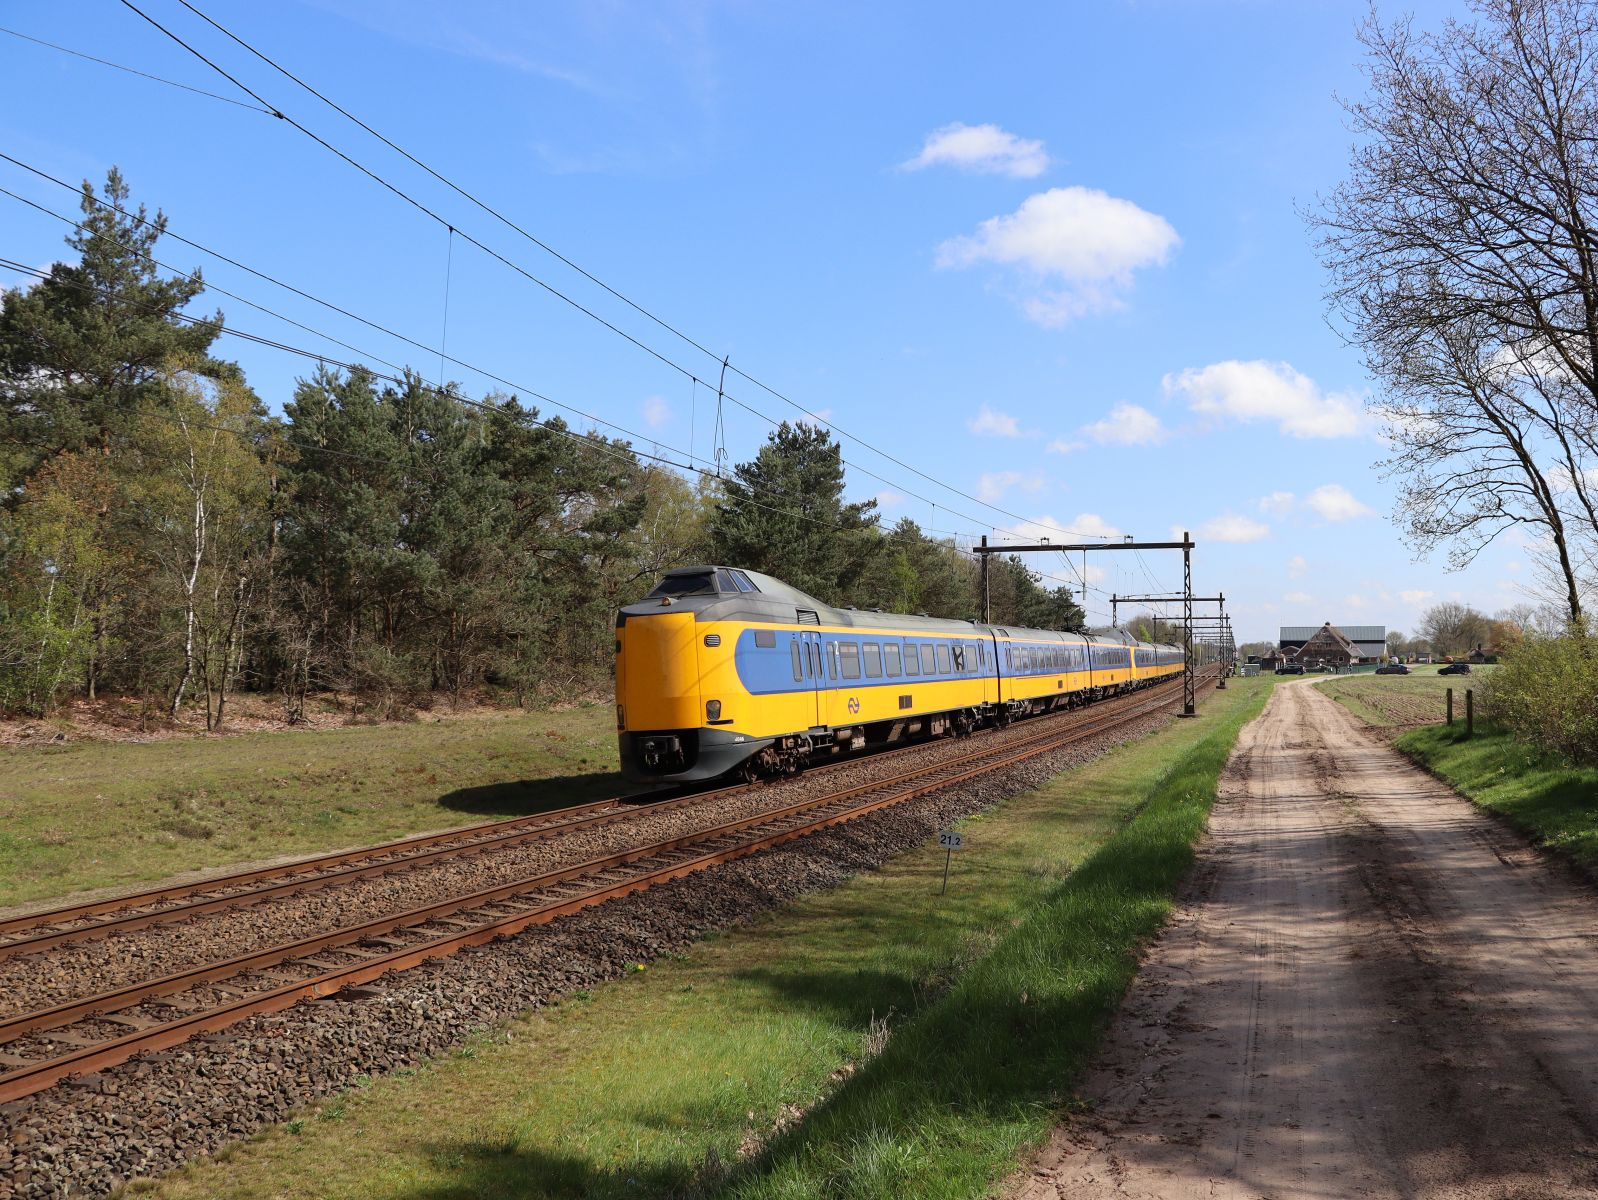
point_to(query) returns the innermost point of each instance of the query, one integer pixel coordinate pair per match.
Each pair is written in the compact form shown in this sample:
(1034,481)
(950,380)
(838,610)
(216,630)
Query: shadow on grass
(480,1169)
(519,797)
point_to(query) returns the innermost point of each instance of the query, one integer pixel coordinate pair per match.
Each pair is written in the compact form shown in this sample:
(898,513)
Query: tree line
(165,535)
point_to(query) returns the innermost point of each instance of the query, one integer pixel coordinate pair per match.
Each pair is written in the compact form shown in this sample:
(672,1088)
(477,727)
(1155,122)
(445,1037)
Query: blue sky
(1050,255)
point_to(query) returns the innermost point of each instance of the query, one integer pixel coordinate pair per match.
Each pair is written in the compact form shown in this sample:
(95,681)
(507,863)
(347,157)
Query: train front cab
(681,714)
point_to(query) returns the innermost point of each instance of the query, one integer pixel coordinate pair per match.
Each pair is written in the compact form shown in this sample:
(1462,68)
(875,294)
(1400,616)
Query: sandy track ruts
(1369,989)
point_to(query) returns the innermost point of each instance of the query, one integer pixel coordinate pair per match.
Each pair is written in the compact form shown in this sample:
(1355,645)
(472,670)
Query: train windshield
(698,583)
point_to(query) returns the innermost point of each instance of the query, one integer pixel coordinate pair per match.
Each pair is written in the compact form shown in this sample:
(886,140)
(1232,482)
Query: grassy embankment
(680,1080)
(1554,803)
(92,814)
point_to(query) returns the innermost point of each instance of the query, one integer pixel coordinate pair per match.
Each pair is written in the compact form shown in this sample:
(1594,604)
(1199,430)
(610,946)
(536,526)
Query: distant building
(1369,641)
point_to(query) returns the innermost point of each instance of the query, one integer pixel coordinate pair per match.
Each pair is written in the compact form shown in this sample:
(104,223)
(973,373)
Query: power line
(104,62)
(626,455)
(469,366)
(548,249)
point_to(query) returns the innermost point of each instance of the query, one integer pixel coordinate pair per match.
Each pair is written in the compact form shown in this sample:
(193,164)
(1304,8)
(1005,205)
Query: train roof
(719,593)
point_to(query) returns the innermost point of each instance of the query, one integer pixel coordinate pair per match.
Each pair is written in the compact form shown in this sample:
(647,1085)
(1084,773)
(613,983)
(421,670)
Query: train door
(812,653)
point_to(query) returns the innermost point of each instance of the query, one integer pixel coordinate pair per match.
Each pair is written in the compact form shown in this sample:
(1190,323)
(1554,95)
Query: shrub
(1545,692)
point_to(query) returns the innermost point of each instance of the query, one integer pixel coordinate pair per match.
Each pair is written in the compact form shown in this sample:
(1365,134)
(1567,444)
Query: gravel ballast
(148,1116)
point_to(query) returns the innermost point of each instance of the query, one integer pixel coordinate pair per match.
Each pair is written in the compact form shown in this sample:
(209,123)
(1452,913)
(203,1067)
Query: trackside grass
(745,1067)
(91,815)
(1547,798)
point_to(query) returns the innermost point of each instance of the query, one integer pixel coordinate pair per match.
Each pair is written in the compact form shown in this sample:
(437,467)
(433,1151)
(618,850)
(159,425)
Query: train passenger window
(927,667)
(890,654)
(943,658)
(832,660)
(814,654)
(849,659)
(798,663)
(766,639)
(873,660)
(959,657)
(910,667)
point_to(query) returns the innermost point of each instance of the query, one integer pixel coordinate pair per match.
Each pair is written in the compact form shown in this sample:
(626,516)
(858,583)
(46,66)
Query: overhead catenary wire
(663,358)
(105,62)
(387,331)
(625,455)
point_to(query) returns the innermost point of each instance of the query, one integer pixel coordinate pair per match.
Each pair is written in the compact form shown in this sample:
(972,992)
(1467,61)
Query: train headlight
(712,710)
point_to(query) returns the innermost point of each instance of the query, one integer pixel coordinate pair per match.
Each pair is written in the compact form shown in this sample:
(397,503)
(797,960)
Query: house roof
(1354,633)
(1330,633)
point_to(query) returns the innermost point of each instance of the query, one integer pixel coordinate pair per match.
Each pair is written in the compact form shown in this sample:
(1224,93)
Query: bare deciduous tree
(1463,252)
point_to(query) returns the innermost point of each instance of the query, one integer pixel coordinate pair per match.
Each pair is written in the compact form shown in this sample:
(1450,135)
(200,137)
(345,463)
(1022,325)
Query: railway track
(43,1047)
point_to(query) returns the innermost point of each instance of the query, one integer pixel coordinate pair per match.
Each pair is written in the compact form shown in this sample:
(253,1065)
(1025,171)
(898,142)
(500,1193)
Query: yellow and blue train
(720,670)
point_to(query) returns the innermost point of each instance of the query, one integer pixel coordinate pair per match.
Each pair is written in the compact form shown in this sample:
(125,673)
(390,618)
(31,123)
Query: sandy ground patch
(1370,989)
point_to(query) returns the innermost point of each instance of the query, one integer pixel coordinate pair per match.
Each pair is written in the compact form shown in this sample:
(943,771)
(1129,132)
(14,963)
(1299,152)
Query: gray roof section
(1354,633)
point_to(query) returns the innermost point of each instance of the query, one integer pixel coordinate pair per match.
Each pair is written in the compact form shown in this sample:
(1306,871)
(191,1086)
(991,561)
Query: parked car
(1393,669)
(1459,668)
(1290,669)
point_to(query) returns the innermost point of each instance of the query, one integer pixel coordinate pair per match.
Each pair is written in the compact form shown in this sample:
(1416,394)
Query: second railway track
(44,1046)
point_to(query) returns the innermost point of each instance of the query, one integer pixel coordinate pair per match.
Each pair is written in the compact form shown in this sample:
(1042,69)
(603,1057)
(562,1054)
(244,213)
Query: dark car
(1290,669)
(1393,669)
(1456,669)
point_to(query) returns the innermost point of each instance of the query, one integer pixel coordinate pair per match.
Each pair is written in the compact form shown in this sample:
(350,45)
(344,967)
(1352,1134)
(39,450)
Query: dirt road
(1370,990)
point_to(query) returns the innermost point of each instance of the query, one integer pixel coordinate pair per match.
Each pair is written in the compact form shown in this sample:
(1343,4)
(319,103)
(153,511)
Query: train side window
(943,658)
(910,661)
(766,639)
(798,663)
(832,660)
(890,655)
(958,654)
(813,652)
(927,666)
(849,659)
(872,654)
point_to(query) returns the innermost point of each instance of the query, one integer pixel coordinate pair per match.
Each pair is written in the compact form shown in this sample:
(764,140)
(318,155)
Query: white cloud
(1082,527)
(1277,504)
(1354,601)
(1268,391)
(984,148)
(888,499)
(994,484)
(1296,566)
(1228,527)
(994,424)
(1065,446)
(1298,598)
(1415,596)
(1333,502)
(1127,425)
(1079,246)
(657,413)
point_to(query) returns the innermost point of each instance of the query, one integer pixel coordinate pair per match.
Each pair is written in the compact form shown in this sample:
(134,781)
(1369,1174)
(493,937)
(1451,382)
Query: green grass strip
(963,1091)
(92,814)
(1547,798)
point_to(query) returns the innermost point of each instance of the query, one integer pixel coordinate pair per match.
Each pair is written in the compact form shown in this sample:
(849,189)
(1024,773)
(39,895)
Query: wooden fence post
(1450,692)
(1470,711)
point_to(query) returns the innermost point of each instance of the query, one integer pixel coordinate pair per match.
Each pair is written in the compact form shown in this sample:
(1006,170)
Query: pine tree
(83,350)
(784,514)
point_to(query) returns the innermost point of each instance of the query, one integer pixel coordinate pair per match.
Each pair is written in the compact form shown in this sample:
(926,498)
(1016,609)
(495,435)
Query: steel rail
(27,1077)
(219,893)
